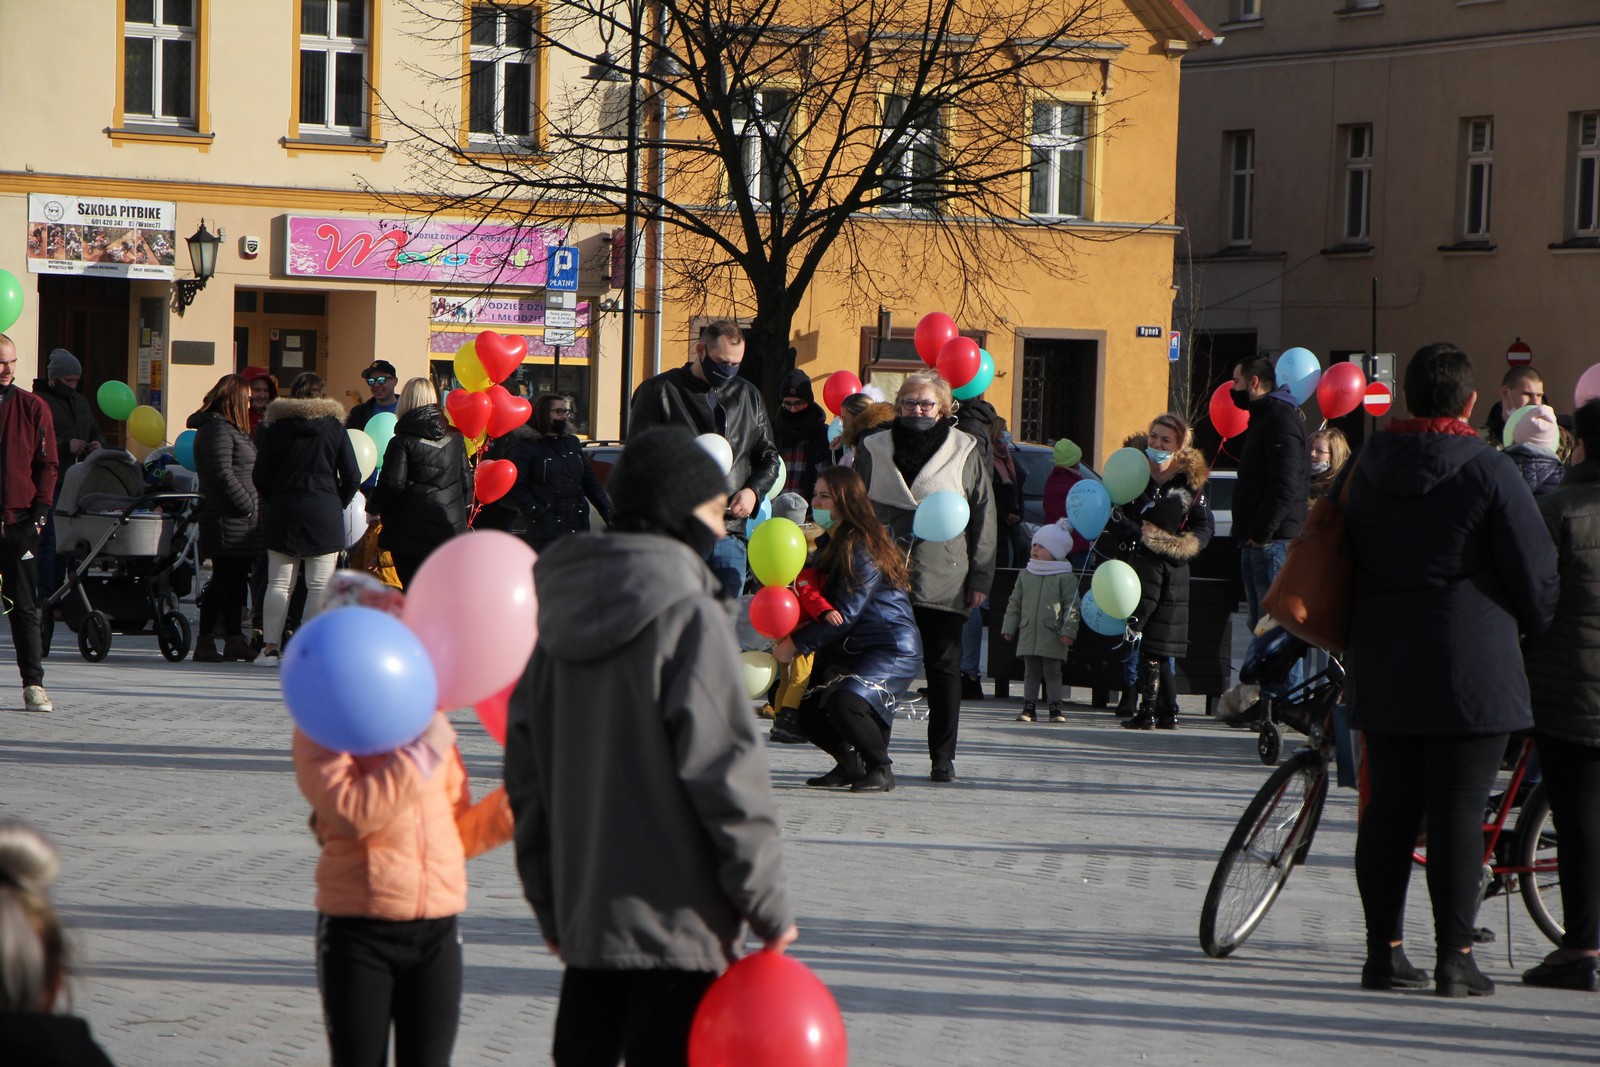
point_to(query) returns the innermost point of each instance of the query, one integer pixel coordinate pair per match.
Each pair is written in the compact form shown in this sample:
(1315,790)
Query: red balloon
(959,361)
(1229,420)
(494,479)
(499,354)
(507,411)
(768,1009)
(774,612)
(491,711)
(933,333)
(840,384)
(1341,390)
(469,412)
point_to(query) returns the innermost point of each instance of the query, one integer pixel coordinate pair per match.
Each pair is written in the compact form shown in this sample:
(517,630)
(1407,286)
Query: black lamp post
(203,255)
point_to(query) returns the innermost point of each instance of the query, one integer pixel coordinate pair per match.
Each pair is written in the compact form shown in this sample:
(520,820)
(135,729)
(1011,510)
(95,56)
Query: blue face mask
(1005,438)
(1157,455)
(822,517)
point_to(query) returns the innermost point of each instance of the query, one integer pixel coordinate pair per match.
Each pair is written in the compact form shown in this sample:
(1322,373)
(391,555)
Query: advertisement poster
(101,236)
(460,253)
(498,310)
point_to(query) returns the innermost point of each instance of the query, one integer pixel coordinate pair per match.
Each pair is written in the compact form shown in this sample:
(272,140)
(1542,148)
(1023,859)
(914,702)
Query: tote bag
(1311,595)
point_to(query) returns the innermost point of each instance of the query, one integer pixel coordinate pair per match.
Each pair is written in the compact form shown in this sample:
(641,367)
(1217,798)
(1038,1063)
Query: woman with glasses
(425,486)
(921,454)
(555,481)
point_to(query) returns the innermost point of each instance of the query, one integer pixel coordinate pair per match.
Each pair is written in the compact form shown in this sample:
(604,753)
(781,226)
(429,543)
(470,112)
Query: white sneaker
(34,698)
(268,659)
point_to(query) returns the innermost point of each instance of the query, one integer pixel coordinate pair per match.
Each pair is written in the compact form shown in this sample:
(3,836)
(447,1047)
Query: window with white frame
(1479,178)
(762,124)
(1586,174)
(500,74)
(1357,184)
(1241,187)
(1246,10)
(333,65)
(1059,171)
(158,61)
(910,174)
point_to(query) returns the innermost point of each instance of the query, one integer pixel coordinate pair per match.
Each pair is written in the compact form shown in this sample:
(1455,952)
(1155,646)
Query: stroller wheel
(1269,745)
(94,639)
(172,634)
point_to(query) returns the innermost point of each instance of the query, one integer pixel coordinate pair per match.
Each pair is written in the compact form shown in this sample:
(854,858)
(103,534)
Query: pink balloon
(1588,387)
(473,605)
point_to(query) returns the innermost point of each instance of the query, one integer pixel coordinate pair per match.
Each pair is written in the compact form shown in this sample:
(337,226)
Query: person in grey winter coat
(1563,666)
(425,487)
(230,516)
(646,834)
(1042,618)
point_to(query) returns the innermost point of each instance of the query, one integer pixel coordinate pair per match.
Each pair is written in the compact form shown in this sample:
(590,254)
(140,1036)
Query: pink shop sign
(395,250)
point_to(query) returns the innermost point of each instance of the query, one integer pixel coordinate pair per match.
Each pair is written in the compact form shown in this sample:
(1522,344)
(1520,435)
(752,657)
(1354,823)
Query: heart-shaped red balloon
(507,411)
(499,354)
(494,479)
(470,412)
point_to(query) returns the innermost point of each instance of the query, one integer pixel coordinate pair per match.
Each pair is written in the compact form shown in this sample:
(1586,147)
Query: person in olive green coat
(1042,617)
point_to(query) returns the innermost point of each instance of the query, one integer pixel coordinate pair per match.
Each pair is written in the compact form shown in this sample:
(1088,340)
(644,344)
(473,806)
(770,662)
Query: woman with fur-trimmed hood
(1161,559)
(870,418)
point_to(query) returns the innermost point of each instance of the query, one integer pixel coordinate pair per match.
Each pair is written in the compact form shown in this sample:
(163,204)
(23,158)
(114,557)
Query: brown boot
(205,650)
(237,649)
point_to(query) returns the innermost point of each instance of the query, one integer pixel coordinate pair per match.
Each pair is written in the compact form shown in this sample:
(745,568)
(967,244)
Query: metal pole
(630,207)
(1372,355)
(658,273)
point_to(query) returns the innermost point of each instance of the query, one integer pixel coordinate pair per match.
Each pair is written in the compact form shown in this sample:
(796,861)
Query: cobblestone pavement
(1040,910)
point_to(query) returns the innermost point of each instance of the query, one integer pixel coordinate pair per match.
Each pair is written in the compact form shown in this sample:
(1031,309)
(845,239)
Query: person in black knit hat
(1161,559)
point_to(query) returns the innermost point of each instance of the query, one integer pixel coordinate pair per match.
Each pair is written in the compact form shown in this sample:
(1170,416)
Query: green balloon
(1126,474)
(1116,588)
(777,552)
(10,299)
(380,428)
(116,400)
(1511,423)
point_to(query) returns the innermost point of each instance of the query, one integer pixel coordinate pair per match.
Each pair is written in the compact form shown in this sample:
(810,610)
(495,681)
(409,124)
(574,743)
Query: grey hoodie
(646,833)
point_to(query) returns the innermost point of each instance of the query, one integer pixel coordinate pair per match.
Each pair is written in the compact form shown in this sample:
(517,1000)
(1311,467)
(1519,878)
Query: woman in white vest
(923,453)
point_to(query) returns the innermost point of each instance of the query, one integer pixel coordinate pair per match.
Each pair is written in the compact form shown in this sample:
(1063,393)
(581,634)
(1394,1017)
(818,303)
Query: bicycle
(1276,831)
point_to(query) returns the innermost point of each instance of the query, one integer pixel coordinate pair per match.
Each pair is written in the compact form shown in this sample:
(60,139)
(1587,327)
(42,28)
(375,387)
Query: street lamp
(203,255)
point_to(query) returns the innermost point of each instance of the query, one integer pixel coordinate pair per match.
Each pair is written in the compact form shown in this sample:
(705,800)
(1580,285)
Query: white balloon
(718,448)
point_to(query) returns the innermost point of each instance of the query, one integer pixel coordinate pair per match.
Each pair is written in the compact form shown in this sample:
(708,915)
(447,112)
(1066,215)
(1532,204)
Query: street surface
(1041,910)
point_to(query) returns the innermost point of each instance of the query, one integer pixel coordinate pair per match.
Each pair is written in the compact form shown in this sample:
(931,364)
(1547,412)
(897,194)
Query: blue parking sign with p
(562,272)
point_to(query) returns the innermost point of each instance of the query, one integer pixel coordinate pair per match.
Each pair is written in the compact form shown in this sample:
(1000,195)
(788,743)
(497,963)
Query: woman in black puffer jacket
(425,486)
(555,483)
(230,515)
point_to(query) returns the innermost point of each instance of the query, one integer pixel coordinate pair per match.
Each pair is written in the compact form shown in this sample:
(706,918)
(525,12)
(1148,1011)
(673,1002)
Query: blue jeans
(1258,567)
(728,561)
(972,644)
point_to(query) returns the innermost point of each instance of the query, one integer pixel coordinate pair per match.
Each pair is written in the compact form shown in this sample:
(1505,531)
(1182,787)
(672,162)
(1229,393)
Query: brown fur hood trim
(875,417)
(288,408)
(1175,548)
(1188,462)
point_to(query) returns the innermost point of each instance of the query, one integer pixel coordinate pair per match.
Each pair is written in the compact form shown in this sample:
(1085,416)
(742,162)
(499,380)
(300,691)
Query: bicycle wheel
(1536,847)
(1263,851)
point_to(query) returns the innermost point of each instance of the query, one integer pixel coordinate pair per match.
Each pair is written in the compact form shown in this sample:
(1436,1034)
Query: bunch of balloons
(358,679)
(145,424)
(1339,390)
(483,408)
(777,551)
(959,361)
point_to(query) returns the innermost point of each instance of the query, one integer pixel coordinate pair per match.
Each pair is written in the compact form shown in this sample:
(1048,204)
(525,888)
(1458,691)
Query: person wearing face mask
(923,453)
(1269,501)
(555,481)
(708,396)
(801,429)
(646,833)
(1330,451)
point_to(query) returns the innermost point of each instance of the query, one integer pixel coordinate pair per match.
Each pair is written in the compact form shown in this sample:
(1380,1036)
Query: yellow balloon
(146,426)
(469,369)
(777,552)
(475,443)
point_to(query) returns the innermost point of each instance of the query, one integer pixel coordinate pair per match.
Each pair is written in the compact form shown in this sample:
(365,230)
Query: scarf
(1005,468)
(912,450)
(1450,425)
(1047,567)
(800,427)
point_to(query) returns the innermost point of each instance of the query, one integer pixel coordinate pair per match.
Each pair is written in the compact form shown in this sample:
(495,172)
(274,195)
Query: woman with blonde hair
(425,486)
(923,453)
(1330,451)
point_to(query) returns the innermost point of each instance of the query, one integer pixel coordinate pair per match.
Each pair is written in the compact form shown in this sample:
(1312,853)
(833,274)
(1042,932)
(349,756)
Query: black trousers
(1447,779)
(638,1017)
(19,587)
(840,721)
(374,973)
(225,595)
(1572,779)
(941,664)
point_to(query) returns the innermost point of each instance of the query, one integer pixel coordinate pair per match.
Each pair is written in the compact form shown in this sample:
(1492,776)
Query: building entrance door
(89,318)
(1060,388)
(290,352)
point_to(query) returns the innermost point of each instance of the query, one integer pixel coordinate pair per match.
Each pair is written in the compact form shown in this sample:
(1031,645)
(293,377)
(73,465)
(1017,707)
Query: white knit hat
(1537,427)
(1054,540)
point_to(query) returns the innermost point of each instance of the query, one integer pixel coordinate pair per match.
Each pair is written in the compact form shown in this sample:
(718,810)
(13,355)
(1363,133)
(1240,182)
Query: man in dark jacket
(646,834)
(707,396)
(27,492)
(802,433)
(77,435)
(555,481)
(1269,501)
(380,378)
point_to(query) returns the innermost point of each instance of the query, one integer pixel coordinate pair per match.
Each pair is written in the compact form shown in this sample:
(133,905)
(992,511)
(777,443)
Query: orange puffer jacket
(394,843)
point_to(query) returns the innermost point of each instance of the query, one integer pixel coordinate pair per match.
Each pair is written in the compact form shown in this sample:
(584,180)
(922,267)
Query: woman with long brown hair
(874,652)
(230,515)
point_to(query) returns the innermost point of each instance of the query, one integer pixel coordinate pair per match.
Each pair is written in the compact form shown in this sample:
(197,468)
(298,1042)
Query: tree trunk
(768,355)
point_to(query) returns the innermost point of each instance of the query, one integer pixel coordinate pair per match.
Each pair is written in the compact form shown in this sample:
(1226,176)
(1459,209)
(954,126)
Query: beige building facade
(1364,177)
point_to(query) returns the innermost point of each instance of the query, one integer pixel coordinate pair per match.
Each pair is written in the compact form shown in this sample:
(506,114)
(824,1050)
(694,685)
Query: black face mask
(558,427)
(917,423)
(718,373)
(795,416)
(1240,398)
(700,538)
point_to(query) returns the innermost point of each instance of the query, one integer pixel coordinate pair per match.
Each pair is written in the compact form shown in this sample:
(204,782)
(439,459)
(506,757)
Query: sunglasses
(379,380)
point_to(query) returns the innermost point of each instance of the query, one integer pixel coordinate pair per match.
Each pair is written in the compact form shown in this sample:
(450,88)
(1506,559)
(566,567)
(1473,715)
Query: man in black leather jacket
(705,396)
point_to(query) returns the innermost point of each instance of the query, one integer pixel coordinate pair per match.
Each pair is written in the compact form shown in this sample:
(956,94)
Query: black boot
(1056,714)
(1027,711)
(1145,719)
(1128,704)
(971,687)
(1166,696)
(1388,968)
(1456,974)
(876,780)
(847,771)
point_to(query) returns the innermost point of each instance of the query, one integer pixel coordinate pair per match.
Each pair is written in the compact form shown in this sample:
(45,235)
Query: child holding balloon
(1042,616)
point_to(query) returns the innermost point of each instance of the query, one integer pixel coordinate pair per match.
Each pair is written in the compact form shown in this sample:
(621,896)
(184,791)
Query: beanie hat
(1537,427)
(796,383)
(791,506)
(1054,540)
(661,477)
(1168,512)
(1067,454)
(62,364)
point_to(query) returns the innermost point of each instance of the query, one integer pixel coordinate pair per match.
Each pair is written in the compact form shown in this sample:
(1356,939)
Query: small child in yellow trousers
(795,676)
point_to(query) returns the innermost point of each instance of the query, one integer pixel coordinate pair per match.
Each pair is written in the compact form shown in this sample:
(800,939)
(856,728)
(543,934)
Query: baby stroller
(132,546)
(1265,702)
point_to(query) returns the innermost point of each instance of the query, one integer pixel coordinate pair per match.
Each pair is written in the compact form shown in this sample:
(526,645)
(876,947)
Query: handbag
(1310,597)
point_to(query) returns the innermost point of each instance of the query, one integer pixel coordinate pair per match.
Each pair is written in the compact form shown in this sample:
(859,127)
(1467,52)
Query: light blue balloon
(980,381)
(183,449)
(380,428)
(1089,508)
(835,429)
(941,516)
(761,515)
(1097,620)
(1299,370)
(358,680)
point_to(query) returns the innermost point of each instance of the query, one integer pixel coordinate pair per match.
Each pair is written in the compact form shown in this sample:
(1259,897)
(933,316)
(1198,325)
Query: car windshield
(1034,467)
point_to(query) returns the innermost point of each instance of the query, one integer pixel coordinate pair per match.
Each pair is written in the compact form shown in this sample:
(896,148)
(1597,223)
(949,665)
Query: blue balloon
(1097,620)
(980,381)
(941,516)
(358,680)
(1299,370)
(183,449)
(835,429)
(1089,508)
(761,515)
